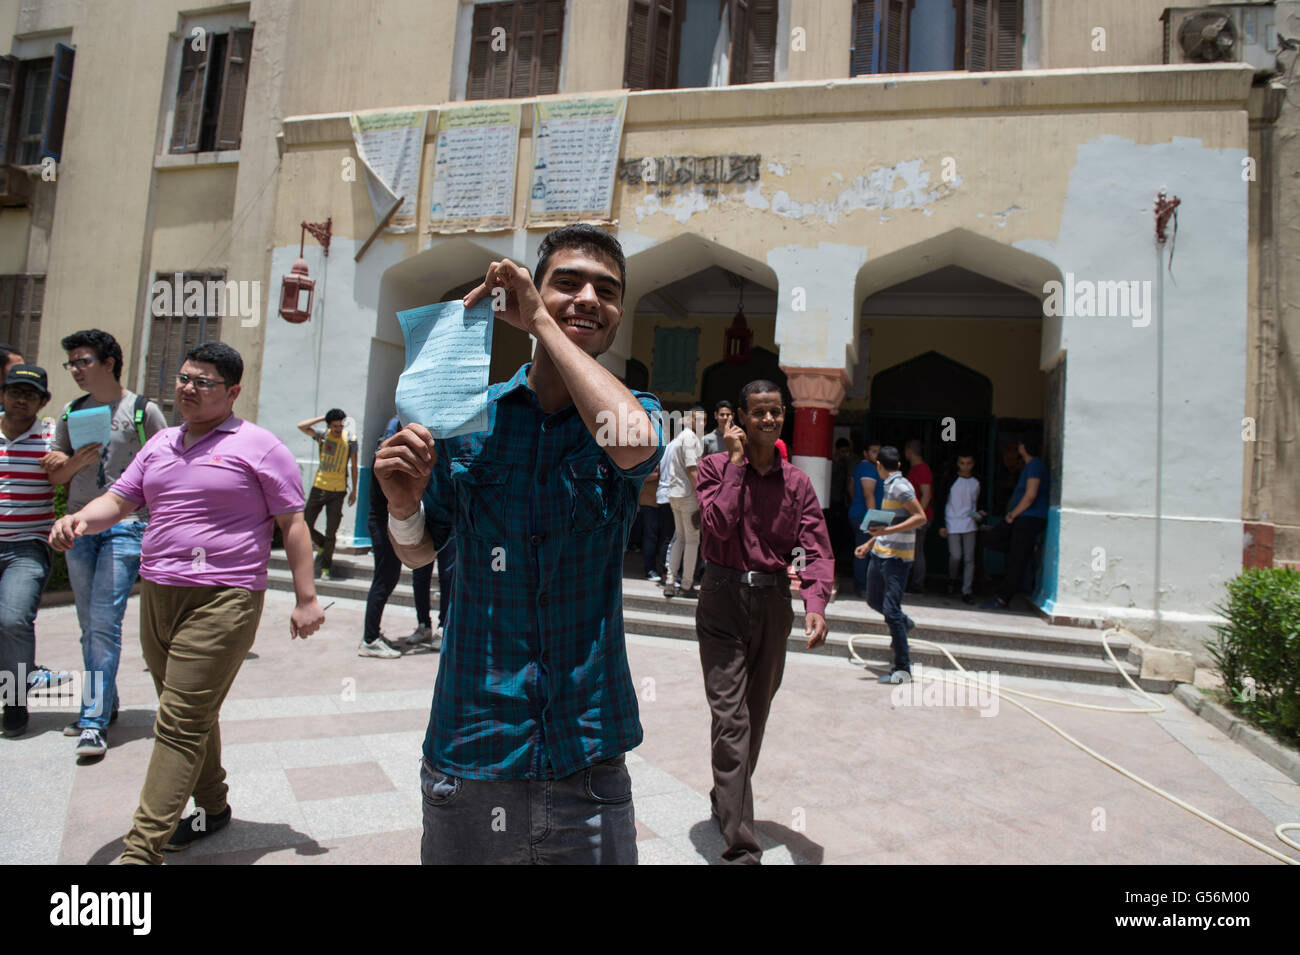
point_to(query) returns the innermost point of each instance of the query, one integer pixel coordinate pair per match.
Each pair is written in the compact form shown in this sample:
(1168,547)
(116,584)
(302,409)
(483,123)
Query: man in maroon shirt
(759,515)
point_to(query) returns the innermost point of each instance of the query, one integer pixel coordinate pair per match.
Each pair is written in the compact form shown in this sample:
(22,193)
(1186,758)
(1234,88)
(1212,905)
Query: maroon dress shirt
(752,521)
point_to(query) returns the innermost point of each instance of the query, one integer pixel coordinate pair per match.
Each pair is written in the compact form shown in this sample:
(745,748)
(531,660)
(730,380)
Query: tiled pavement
(322,751)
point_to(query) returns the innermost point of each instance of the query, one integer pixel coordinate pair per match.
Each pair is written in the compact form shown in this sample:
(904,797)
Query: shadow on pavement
(246,841)
(709,843)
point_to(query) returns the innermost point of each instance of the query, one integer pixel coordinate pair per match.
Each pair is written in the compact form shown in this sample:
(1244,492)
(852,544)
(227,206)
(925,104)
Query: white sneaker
(421,635)
(380,648)
(436,643)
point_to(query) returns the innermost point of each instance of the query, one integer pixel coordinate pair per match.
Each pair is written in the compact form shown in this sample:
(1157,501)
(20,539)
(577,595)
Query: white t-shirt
(963,500)
(686,454)
(665,472)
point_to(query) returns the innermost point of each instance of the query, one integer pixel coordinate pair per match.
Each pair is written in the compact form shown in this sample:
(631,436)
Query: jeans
(24,569)
(102,570)
(332,502)
(886,578)
(918,563)
(649,537)
(1018,539)
(388,570)
(665,538)
(583,819)
(961,556)
(860,537)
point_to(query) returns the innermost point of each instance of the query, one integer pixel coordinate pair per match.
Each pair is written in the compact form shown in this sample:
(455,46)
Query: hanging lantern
(298,288)
(739,338)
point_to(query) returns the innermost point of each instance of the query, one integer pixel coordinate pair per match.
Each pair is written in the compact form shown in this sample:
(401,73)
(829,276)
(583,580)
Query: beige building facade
(961,255)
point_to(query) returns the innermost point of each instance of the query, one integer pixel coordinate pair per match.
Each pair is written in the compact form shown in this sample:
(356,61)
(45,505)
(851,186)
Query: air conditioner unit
(15,186)
(1222,33)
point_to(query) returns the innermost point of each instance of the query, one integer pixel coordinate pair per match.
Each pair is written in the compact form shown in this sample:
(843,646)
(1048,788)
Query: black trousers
(1017,539)
(388,570)
(332,502)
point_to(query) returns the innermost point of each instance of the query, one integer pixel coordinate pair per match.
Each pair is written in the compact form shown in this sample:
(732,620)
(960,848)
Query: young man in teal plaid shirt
(534,706)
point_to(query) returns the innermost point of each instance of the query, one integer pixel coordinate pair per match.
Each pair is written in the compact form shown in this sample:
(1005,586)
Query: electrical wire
(975,682)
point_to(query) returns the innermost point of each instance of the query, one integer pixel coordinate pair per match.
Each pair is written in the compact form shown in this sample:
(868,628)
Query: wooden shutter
(234,87)
(56,106)
(11,103)
(170,337)
(864,38)
(187,126)
(753,41)
(525,43)
(894,35)
(1007,25)
(549,48)
(653,43)
(979,21)
(489,69)
(993,34)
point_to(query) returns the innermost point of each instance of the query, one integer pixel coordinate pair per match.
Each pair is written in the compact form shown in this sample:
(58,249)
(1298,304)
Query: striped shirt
(898,491)
(534,681)
(26,494)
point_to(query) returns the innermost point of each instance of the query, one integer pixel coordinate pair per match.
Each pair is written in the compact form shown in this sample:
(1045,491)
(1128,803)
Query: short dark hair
(761,386)
(221,357)
(914,445)
(841,443)
(7,351)
(103,344)
(1033,444)
(888,457)
(335,414)
(584,238)
(966,453)
(724,403)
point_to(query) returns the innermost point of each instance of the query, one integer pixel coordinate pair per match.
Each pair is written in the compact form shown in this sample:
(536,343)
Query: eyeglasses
(79,363)
(203,384)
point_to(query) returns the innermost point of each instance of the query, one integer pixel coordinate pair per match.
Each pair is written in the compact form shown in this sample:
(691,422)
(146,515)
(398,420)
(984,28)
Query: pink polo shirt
(211,506)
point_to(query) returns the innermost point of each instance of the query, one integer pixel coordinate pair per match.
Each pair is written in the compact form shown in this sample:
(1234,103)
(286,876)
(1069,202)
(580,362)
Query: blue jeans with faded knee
(886,578)
(24,569)
(102,570)
(582,819)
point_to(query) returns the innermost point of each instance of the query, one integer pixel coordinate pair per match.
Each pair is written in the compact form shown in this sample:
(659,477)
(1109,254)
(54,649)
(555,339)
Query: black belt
(750,578)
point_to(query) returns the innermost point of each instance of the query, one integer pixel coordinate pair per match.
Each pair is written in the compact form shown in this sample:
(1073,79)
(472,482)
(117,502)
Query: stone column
(817,395)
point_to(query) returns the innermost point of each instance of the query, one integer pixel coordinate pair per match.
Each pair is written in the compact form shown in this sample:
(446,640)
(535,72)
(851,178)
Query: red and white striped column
(817,394)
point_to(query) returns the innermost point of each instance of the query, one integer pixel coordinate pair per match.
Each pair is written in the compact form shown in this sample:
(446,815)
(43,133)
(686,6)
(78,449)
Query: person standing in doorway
(961,515)
(713,443)
(922,481)
(330,486)
(1022,525)
(760,516)
(102,568)
(867,488)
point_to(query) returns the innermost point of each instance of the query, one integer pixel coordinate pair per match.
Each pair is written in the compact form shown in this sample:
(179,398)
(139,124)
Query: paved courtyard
(322,750)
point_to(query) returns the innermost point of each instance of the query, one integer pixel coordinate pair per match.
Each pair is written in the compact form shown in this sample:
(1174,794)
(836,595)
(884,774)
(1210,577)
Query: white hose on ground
(975,682)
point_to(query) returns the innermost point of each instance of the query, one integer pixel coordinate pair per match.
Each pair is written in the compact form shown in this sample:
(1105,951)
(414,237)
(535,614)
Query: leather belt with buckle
(750,578)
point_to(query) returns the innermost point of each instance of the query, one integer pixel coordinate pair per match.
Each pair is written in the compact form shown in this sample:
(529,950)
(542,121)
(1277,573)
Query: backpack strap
(76,405)
(141,402)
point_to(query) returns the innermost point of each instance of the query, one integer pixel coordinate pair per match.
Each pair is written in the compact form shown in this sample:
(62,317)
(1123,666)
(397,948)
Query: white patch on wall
(776,169)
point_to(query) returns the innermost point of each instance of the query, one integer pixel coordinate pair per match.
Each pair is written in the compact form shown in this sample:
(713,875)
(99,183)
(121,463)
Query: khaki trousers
(742,635)
(194,641)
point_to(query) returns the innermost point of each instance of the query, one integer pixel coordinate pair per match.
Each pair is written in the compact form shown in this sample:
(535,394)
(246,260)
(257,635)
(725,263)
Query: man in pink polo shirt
(213,486)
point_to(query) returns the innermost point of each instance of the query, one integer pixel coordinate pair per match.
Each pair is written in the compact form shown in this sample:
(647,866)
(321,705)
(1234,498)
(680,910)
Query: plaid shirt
(534,680)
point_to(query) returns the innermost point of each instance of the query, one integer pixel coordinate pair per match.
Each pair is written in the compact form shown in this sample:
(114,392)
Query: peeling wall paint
(903,186)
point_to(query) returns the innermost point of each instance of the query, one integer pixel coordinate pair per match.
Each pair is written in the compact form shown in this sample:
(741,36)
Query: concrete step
(1009,643)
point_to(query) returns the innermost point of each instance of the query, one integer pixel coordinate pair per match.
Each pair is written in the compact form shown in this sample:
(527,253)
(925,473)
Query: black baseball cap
(33,375)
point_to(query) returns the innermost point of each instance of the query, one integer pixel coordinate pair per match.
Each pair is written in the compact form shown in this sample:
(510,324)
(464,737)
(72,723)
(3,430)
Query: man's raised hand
(518,302)
(403,465)
(735,438)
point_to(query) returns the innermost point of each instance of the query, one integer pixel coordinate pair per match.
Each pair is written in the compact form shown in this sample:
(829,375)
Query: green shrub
(1258,650)
(59,562)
